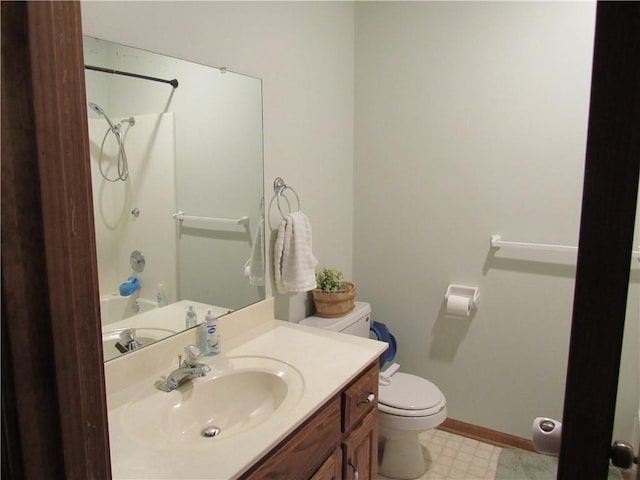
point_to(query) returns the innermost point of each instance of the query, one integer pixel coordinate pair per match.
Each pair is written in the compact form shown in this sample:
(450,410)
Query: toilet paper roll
(547,433)
(458,305)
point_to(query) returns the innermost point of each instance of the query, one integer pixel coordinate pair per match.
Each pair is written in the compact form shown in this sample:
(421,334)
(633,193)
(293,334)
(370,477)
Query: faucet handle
(192,354)
(127,341)
(127,336)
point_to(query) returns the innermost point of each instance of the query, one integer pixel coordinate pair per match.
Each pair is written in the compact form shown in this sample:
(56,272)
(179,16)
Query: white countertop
(327,361)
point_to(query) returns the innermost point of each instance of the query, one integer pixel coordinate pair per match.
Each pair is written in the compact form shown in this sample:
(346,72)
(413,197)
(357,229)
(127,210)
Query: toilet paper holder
(464,291)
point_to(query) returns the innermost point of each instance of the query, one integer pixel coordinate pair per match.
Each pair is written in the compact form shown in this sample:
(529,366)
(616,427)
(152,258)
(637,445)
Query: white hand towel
(294,263)
(256,262)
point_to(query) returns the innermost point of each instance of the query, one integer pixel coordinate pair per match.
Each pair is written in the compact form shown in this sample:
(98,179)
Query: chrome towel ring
(279,186)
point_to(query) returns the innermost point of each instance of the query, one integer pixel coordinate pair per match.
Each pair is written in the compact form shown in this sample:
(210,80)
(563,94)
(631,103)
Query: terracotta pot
(335,304)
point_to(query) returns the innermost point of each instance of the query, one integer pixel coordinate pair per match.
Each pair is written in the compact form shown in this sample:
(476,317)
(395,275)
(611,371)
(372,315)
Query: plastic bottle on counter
(191,319)
(161,295)
(209,336)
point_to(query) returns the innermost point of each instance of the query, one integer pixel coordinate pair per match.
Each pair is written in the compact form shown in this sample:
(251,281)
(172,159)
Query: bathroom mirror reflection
(177,179)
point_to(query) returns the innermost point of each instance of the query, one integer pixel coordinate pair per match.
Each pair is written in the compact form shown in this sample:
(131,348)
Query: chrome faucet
(127,341)
(186,371)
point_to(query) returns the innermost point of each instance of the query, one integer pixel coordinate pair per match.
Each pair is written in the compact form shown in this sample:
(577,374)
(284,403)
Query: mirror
(177,179)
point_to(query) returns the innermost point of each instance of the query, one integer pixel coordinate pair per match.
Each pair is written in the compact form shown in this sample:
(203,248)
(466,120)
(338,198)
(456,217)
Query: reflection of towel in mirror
(294,263)
(254,268)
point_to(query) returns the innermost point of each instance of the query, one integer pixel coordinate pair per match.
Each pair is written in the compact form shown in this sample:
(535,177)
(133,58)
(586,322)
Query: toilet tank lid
(361,310)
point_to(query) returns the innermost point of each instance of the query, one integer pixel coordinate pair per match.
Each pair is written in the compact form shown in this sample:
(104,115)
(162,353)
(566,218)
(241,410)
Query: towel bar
(229,221)
(497,242)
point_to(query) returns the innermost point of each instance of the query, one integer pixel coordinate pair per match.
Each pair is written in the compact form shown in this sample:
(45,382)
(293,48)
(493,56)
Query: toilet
(407,404)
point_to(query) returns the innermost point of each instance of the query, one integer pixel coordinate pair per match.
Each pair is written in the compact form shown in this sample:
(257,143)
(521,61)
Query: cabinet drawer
(304,451)
(357,400)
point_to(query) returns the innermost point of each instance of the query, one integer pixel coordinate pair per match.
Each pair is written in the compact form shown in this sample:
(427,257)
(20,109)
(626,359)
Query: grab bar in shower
(497,242)
(228,221)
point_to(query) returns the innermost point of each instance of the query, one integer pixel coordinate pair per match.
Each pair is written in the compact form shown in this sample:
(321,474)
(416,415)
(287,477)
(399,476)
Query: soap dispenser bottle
(209,336)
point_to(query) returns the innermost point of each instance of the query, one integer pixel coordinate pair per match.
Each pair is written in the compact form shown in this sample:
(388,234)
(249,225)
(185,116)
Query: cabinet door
(300,455)
(361,450)
(331,469)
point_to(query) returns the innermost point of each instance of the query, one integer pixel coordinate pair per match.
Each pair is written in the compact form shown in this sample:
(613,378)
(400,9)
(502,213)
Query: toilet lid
(409,392)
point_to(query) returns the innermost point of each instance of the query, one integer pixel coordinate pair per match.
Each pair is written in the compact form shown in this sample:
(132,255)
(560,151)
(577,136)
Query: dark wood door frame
(605,244)
(53,406)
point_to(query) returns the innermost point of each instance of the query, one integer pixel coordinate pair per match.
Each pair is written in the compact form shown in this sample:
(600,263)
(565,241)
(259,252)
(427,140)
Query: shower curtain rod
(173,83)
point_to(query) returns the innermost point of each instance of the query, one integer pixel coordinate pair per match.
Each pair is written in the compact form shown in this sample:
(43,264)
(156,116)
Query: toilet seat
(410,396)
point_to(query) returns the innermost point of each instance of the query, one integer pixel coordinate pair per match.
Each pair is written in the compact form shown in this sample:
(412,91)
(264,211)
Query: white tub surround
(135,214)
(326,361)
(114,307)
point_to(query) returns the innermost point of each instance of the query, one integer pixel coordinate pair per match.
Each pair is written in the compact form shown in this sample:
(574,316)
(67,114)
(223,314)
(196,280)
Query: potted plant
(333,297)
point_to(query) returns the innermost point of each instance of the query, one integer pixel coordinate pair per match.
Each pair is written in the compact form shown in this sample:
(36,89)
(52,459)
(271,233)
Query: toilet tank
(356,322)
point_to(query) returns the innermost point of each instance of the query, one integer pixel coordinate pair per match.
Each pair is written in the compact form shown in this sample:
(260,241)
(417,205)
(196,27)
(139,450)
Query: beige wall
(471,121)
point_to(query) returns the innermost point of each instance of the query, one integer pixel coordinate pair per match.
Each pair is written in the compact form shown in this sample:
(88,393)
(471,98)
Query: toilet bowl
(407,404)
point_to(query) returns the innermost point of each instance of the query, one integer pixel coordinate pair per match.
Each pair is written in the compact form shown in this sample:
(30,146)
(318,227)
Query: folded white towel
(254,268)
(294,263)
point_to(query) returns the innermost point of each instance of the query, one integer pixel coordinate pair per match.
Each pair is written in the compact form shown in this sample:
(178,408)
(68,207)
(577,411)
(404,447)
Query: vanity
(338,441)
(289,401)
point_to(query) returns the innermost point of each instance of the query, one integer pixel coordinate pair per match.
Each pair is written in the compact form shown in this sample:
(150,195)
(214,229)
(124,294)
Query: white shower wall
(150,189)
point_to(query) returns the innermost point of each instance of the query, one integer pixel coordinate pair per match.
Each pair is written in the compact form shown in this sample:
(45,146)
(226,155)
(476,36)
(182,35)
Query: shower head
(123,166)
(98,109)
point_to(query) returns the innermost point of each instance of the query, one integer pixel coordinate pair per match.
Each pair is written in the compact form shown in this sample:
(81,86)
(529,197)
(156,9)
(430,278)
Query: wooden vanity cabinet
(340,439)
(360,427)
(331,469)
(360,450)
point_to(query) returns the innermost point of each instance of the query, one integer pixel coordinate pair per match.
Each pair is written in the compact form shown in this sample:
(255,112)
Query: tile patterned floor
(453,457)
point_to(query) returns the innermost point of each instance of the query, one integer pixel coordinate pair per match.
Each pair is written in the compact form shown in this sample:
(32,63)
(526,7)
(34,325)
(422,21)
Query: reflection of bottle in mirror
(191,320)
(210,339)
(161,295)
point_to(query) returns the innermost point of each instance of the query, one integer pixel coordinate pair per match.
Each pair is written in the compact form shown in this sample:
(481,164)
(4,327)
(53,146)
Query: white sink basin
(144,336)
(239,394)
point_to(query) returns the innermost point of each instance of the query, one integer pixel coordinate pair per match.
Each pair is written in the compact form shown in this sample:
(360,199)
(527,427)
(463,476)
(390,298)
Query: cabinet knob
(355,471)
(370,398)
